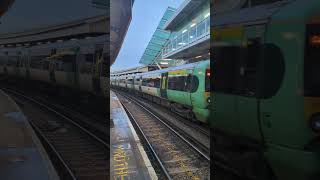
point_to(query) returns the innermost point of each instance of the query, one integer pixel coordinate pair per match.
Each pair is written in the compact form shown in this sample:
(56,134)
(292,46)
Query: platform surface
(21,154)
(128,158)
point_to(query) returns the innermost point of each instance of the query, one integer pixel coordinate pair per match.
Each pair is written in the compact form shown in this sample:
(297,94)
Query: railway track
(194,132)
(79,152)
(221,171)
(178,157)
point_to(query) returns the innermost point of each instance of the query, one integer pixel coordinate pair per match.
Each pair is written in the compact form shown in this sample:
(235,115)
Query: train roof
(185,66)
(247,16)
(286,11)
(65,44)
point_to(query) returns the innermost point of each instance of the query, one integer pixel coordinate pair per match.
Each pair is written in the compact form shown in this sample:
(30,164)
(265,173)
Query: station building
(182,36)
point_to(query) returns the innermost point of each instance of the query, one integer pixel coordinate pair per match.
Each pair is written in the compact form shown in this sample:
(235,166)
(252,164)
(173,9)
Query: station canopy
(158,40)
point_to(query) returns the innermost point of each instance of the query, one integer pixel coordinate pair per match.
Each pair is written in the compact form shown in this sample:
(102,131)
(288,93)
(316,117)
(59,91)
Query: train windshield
(312,61)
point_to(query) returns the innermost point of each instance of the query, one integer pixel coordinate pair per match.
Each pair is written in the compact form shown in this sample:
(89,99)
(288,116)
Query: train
(77,64)
(183,89)
(265,114)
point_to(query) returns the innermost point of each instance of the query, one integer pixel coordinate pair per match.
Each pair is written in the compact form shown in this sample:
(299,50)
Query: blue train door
(164,85)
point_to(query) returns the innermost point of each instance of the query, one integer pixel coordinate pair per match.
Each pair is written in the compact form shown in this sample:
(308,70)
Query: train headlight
(315,123)
(209,100)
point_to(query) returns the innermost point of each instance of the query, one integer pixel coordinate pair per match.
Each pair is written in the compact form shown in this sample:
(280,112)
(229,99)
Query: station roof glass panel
(158,39)
(184,11)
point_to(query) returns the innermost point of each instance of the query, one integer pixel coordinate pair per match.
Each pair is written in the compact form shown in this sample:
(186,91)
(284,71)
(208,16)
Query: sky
(146,16)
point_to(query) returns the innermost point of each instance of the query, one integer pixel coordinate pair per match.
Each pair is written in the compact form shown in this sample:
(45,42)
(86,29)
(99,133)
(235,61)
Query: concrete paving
(22,156)
(128,158)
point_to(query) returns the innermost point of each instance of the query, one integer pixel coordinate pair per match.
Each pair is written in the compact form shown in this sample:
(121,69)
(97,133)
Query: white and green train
(184,89)
(77,64)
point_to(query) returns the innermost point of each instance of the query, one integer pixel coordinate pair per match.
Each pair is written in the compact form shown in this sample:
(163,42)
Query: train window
(151,82)
(45,65)
(236,69)
(225,68)
(271,79)
(3,60)
(104,69)
(177,83)
(192,83)
(311,62)
(136,81)
(35,62)
(130,81)
(86,64)
(66,63)
(246,83)
(13,60)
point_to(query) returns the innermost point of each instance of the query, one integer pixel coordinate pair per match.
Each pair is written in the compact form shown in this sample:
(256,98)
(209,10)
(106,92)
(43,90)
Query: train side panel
(39,75)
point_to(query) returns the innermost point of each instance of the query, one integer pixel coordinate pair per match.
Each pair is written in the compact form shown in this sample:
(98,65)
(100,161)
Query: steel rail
(170,128)
(165,171)
(59,114)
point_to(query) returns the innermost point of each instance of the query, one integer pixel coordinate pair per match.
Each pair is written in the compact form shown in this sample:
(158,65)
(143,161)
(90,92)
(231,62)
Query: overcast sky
(146,16)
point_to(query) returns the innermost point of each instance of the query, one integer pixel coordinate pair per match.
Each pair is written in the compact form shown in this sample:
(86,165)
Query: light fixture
(184,31)
(193,24)
(207,15)
(166,59)
(191,36)
(198,57)
(164,63)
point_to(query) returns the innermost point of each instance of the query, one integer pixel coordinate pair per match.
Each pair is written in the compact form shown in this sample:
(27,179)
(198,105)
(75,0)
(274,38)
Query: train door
(140,84)
(98,59)
(5,69)
(189,87)
(164,85)
(18,64)
(77,68)
(28,64)
(52,65)
(247,106)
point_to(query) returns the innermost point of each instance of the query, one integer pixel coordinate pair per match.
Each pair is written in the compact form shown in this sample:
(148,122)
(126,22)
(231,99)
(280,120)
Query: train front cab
(297,104)
(188,89)
(267,96)
(201,97)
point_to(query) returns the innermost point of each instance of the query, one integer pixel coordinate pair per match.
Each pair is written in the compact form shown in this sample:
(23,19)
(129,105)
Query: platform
(128,158)
(22,155)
